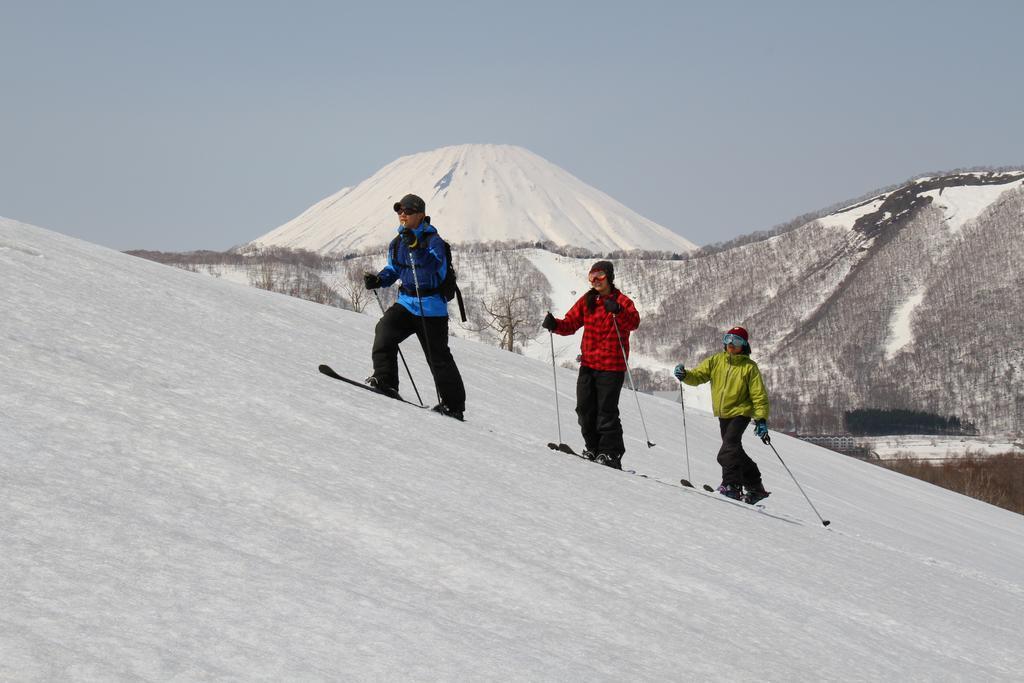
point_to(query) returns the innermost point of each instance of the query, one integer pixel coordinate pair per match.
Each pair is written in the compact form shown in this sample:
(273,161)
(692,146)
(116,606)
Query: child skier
(737,396)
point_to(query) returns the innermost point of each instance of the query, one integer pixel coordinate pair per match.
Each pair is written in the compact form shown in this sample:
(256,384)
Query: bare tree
(515,301)
(305,284)
(263,275)
(351,284)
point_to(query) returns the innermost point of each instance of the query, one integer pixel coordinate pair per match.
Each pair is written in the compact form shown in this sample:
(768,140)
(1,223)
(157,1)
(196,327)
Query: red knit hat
(739,332)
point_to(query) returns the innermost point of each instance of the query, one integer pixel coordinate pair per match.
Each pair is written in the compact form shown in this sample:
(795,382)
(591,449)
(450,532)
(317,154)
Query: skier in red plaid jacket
(602,361)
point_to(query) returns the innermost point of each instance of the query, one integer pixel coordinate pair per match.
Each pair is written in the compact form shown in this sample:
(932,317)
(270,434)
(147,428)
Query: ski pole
(423,319)
(400,354)
(686,443)
(824,522)
(631,385)
(554,376)
(561,445)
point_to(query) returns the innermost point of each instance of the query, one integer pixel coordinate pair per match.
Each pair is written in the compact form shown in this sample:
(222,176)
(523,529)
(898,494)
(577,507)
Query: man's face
(409,218)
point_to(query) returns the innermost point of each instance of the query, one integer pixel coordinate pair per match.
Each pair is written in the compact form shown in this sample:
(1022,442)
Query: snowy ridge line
(477,193)
(6,246)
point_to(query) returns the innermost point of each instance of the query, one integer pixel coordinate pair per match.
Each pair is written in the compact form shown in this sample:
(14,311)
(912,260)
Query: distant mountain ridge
(905,300)
(476,193)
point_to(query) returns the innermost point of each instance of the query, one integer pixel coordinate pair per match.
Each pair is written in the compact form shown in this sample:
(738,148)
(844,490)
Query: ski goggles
(597,276)
(734,340)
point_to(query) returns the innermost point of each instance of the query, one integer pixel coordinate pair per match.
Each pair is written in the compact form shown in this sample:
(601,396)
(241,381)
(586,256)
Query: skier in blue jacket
(417,257)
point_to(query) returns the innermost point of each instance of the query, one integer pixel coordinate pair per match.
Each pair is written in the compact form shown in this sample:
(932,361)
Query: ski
(564,448)
(683,483)
(326,370)
(568,450)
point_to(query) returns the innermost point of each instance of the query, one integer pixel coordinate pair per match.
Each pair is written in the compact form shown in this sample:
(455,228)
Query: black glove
(679,372)
(549,322)
(612,306)
(371,280)
(408,236)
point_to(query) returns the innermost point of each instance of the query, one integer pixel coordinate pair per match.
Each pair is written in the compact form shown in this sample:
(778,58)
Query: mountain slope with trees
(902,300)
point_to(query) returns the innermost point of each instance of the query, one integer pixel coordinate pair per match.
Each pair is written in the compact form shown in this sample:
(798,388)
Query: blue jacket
(431,266)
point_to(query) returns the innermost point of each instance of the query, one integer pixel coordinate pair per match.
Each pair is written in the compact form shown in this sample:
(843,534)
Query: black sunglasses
(402,210)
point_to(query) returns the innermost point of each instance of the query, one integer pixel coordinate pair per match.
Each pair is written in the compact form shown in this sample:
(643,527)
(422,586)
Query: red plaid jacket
(600,347)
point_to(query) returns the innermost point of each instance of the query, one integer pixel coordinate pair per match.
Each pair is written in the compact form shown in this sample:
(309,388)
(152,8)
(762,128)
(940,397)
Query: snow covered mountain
(186,498)
(476,193)
(905,300)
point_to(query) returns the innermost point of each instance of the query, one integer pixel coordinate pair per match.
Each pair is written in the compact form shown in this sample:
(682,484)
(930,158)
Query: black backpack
(449,287)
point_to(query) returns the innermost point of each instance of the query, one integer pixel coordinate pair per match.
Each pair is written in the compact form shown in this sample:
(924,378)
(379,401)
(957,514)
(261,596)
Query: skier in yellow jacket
(737,396)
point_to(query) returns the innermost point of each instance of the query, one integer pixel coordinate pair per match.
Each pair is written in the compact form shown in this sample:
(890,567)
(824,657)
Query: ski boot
(448,412)
(613,460)
(733,491)
(377,385)
(754,495)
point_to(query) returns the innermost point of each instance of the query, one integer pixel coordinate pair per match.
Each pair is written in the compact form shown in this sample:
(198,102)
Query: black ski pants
(597,406)
(398,324)
(737,467)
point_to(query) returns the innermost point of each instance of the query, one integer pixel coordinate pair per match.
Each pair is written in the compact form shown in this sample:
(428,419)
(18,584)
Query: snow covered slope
(184,497)
(476,193)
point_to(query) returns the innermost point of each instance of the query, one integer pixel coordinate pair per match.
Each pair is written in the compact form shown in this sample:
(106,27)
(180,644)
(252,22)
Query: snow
(567,280)
(961,204)
(930,447)
(186,498)
(845,218)
(900,328)
(476,193)
(567,277)
(695,398)
(227,273)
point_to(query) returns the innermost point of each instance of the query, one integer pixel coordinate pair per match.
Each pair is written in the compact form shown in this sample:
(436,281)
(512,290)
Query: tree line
(885,421)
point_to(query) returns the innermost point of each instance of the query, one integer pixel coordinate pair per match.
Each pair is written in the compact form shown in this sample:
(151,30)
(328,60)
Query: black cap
(411,202)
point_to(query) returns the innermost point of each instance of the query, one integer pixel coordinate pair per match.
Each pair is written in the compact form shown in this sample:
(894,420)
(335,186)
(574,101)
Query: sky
(186,498)
(189,125)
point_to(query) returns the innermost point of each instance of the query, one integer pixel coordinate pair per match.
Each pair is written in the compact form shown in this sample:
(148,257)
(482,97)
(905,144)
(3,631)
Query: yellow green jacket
(736,385)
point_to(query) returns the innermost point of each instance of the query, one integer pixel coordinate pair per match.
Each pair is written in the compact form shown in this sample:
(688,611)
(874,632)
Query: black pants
(737,467)
(394,327)
(597,405)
